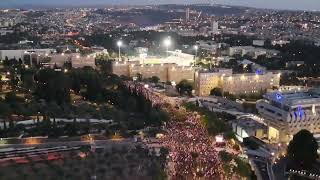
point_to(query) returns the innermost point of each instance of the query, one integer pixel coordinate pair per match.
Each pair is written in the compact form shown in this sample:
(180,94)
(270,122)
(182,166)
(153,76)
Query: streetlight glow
(167,44)
(119,44)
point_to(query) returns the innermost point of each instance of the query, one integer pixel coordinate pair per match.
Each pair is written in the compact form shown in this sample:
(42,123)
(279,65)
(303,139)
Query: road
(213,108)
(263,165)
(262,168)
(279,169)
(185,139)
(69,143)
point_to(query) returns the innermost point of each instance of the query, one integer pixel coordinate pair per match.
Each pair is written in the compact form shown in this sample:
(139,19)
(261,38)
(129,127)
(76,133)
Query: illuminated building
(187,14)
(20,53)
(257,42)
(288,112)
(167,72)
(235,84)
(78,61)
(175,57)
(246,127)
(215,28)
(252,51)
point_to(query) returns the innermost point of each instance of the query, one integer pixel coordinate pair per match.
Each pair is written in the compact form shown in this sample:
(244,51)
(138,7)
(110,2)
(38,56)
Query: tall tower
(215,27)
(187,14)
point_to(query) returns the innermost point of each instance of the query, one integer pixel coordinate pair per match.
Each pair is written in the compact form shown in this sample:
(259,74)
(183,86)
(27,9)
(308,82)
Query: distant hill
(218,10)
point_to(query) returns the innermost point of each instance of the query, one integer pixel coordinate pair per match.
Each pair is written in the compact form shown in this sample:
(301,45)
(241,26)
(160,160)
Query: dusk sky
(277,4)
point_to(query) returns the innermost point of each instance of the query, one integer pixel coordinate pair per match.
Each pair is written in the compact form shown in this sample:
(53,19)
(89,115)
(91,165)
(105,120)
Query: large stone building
(77,60)
(21,53)
(176,57)
(166,72)
(236,84)
(246,127)
(251,51)
(286,113)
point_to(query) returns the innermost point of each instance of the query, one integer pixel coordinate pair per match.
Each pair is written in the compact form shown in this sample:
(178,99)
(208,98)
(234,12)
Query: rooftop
(249,123)
(295,98)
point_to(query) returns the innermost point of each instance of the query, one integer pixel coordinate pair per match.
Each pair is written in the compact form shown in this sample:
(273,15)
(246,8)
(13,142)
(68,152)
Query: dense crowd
(191,150)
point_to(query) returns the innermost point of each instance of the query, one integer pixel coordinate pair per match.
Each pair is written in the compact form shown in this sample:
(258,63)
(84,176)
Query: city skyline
(312,5)
(146,89)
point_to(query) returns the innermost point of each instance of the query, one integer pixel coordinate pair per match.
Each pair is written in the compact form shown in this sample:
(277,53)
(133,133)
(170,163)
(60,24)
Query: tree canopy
(52,86)
(216,92)
(184,86)
(302,150)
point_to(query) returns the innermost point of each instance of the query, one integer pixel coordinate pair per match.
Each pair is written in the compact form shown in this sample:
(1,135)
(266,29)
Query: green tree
(27,78)
(113,80)
(53,86)
(71,129)
(76,83)
(139,77)
(12,99)
(216,92)
(184,86)
(5,111)
(302,149)
(104,65)
(225,156)
(155,79)
(243,168)
(131,104)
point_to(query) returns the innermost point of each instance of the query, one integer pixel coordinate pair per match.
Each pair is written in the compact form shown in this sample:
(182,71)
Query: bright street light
(119,44)
(167,43)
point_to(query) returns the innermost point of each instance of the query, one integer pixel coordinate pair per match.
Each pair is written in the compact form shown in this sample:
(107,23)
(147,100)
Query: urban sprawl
(159,92)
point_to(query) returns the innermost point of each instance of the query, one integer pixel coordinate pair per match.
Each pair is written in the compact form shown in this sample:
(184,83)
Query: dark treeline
(73,93)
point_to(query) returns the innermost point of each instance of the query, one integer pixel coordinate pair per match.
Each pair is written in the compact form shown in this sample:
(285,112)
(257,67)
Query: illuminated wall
(166,72)
(235,83)
(273,134)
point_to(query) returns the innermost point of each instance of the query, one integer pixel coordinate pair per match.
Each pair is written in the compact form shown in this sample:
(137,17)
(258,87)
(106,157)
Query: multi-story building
(252,51)
(77,60)
(176,57)
(258,42)
(20,53)
(236,84)
(246,127)
(166,72)
(286,113)
(215,28)
(187,14)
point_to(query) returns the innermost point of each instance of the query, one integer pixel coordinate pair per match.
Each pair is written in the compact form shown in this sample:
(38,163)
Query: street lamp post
(119,44)
(167,43)
(196,53)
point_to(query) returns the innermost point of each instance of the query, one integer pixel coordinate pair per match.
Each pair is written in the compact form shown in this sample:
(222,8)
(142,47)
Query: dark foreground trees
(302,150)
(184,86)
(52,86)
(216,92)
